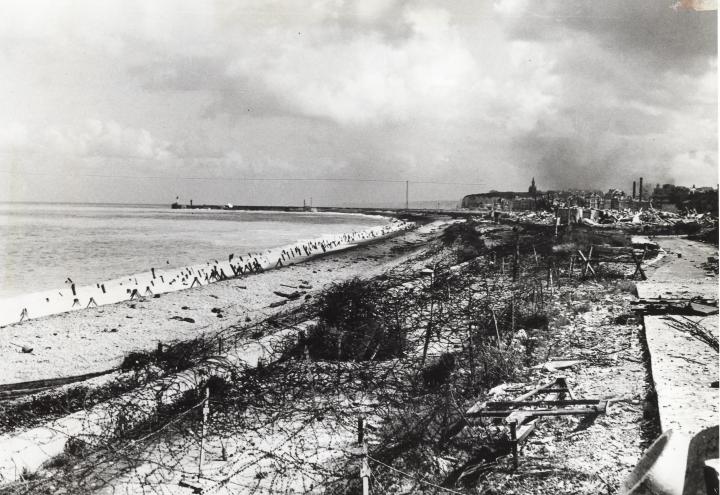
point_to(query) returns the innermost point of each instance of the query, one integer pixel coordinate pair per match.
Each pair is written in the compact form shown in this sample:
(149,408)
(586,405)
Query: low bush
(355,325)
(438,373)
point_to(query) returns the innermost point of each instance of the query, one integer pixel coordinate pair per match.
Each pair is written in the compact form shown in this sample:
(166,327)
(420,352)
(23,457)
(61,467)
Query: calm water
(43,244)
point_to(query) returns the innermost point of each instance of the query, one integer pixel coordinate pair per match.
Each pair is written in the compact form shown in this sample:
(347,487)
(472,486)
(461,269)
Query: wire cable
(414,478)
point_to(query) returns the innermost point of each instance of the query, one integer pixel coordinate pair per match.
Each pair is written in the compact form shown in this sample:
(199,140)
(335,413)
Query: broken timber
(688,306)
(522,414)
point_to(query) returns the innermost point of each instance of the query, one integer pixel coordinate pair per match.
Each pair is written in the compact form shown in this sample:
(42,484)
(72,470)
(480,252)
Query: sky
(137,101)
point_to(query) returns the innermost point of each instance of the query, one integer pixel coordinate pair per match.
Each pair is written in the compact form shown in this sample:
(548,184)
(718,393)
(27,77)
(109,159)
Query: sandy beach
(156,280)
(95,339)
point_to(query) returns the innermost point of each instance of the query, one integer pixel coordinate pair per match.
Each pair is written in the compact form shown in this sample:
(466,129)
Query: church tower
(532,189)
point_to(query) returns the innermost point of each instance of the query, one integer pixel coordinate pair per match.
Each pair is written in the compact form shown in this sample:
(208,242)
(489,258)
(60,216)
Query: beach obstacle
(134,295)
(23,315)
(148,291)
(195,281)
(152,270)
(91,302)
(76,302)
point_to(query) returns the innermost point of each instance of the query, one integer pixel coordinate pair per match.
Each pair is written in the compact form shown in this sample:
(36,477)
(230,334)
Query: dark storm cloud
(647,29)
(636,91)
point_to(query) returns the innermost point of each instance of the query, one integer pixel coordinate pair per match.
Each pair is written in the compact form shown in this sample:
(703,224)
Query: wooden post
(428,333)
(365,472)
(497,331)
(512,310)
(205,412)
(471,352)
(361,431)
(535,254)
(514,443)
(550,282)
(407,194)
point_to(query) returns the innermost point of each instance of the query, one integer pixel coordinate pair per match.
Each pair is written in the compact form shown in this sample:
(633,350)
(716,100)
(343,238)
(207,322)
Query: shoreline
(98,338)
(39,304)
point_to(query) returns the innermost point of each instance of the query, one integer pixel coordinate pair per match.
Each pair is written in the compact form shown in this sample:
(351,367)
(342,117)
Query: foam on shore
(159,281)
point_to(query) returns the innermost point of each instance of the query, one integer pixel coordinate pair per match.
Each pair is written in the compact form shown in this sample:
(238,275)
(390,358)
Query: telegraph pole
(407,194)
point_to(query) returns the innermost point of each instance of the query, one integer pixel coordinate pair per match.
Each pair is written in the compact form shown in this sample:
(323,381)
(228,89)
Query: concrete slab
(683,367)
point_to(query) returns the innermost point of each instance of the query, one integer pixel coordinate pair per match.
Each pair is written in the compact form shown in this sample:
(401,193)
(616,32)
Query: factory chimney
(640,189)
(634,191)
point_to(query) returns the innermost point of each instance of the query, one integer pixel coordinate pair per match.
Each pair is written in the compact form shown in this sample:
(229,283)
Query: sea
(44,244)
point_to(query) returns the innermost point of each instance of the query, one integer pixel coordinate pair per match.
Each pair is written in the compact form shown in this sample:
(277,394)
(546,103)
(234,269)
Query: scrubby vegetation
(356,323)
(408,353)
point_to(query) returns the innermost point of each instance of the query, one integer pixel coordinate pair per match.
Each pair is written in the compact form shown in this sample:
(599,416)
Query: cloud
(14,137)
(635,88)
(648,31)
(92,139)
(581,94)
(366,79)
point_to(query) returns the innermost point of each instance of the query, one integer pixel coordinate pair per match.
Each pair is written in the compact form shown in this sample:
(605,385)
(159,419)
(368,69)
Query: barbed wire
(418,480)
(289,424)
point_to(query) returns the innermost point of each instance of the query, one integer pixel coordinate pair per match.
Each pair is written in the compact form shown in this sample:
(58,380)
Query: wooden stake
(365,472)
(550,282)
(512,309)
(497,332)
(514,443)
(428,333)
(206,412)
(361,431)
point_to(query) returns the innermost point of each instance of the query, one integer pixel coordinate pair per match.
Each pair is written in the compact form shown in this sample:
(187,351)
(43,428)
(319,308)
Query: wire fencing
(406,353)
